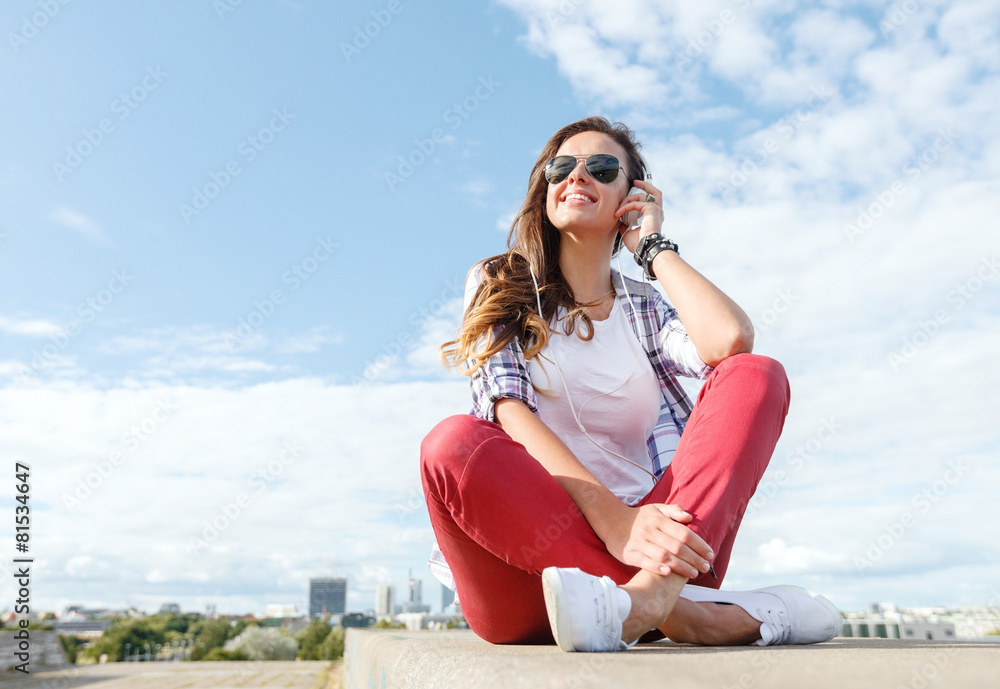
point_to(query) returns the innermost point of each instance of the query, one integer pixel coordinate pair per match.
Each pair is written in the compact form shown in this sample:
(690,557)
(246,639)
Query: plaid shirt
(663,338)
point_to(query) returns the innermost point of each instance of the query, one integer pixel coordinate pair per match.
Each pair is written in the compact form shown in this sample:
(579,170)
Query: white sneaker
(788,614)
(583,610)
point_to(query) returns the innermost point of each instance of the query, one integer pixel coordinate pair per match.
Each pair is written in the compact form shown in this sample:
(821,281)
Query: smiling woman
(568,505)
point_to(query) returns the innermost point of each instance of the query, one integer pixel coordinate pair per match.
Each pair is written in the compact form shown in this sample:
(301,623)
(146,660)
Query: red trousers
(500,518)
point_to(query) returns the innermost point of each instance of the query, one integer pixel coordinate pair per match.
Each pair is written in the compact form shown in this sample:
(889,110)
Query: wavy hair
(504,306)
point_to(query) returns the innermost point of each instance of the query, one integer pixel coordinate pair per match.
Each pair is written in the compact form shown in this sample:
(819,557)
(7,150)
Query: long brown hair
(504,306)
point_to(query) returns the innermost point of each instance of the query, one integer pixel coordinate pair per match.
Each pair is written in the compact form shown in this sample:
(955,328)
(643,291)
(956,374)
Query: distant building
(886,621)
(327,596)
(170,609)
(281,610)
(385,600)
(415,603)
(357,619)
(447,597)
(82,629)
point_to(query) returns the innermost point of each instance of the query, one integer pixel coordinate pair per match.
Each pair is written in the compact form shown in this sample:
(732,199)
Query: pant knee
(761,373)
(448,446)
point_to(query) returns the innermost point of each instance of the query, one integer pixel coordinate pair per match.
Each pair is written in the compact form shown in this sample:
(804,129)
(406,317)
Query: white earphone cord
(576,416)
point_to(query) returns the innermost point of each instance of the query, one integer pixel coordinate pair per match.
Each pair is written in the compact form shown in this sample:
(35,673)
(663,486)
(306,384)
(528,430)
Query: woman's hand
(655,538)
(652,213)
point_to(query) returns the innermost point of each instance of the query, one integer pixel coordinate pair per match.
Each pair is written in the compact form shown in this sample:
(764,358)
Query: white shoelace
(777,623)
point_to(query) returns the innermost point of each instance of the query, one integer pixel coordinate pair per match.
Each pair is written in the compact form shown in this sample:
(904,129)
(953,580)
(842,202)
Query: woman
(569,505)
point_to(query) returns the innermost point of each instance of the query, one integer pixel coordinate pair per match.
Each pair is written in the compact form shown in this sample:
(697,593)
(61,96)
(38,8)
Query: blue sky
(227,233)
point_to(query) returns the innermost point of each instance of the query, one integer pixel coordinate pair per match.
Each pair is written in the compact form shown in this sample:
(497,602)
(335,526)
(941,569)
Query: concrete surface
(393,659)
(210,675)
(45,649)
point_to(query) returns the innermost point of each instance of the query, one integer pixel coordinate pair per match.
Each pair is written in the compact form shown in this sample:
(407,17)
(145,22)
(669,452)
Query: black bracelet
(644,244)
(652,251)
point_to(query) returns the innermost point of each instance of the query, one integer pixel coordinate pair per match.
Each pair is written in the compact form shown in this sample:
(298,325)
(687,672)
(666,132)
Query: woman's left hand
(652,213)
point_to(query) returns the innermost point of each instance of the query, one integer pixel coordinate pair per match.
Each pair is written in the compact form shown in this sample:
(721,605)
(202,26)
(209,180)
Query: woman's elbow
(739,341)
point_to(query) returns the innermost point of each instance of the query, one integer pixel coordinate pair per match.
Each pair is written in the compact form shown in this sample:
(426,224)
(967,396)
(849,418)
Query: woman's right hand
(655,537)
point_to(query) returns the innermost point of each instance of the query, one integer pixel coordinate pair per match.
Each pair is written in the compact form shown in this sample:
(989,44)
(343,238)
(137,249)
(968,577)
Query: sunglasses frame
(587,162)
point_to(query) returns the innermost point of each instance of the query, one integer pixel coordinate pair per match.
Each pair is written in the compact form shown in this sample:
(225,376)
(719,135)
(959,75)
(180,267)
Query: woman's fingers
(649,188)
(663,562)
(675,512)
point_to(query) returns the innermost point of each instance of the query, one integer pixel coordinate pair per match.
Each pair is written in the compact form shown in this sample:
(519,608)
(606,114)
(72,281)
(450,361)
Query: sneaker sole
(552,588)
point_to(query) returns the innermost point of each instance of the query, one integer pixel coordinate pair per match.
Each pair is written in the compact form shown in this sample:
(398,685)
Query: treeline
(191,637)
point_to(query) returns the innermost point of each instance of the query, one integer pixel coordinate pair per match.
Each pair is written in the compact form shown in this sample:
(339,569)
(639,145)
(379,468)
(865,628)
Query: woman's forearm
(718,327)
(602,508)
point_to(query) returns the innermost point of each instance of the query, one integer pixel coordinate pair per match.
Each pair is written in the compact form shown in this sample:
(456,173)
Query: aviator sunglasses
(601,166)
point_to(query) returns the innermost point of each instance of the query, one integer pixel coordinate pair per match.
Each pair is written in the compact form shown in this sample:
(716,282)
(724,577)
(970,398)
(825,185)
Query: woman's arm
(717,326)
(652,537)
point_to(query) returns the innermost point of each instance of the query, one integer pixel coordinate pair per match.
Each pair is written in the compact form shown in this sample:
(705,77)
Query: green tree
(221,654)
(137,633)
(332,647)
(311,638)
(209,634)
(386,623)
(260,643)
(71,645)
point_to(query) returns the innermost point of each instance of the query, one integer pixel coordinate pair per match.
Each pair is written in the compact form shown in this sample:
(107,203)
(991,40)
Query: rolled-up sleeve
(679,351)
(503,375)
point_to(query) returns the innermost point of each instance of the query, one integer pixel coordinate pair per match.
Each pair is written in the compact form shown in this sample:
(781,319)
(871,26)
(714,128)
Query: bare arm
(652,537)
(717,326)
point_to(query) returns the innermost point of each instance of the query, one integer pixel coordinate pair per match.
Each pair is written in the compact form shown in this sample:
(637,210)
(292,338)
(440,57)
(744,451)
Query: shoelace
(777,621)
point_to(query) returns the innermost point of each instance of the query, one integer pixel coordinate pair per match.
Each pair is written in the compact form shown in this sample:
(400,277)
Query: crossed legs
(500,518)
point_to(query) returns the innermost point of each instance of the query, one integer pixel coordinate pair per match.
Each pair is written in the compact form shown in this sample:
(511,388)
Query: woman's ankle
(653,598)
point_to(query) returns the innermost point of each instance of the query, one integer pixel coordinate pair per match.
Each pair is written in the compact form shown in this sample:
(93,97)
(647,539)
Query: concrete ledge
(391,659)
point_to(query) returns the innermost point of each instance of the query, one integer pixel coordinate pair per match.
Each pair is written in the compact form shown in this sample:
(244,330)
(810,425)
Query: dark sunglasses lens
(603,167)
(558,169)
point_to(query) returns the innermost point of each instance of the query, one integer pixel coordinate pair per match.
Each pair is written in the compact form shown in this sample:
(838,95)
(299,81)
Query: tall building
(416,586)
(327,596)
(447,597)
(415,603)
(385,600)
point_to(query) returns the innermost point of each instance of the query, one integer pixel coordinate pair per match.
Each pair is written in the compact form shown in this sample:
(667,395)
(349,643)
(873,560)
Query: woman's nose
(580,171)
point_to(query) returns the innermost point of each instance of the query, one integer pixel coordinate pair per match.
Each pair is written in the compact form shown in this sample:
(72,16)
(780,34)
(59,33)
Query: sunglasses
(601,166)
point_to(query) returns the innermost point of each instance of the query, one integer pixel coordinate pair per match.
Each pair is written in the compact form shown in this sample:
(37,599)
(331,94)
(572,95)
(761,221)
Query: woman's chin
(595,227)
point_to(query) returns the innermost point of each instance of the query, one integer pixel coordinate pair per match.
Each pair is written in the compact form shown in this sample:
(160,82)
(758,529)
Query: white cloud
(80,223)
(32,327)
(298,477)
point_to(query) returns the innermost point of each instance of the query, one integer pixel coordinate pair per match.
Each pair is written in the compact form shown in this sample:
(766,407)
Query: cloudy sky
(234,233)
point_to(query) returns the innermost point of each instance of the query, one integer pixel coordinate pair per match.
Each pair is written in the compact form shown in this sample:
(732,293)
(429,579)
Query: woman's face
(580,203)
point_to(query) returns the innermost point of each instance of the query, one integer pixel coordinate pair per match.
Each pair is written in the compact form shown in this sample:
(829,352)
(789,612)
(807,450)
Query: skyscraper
(416,587)
(327,596)
(415,603)
(385,600)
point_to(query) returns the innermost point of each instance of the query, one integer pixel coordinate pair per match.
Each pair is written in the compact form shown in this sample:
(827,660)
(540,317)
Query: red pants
(500,518)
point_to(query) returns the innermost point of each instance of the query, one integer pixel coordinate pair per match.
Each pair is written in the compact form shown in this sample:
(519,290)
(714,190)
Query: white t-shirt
(615,394)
